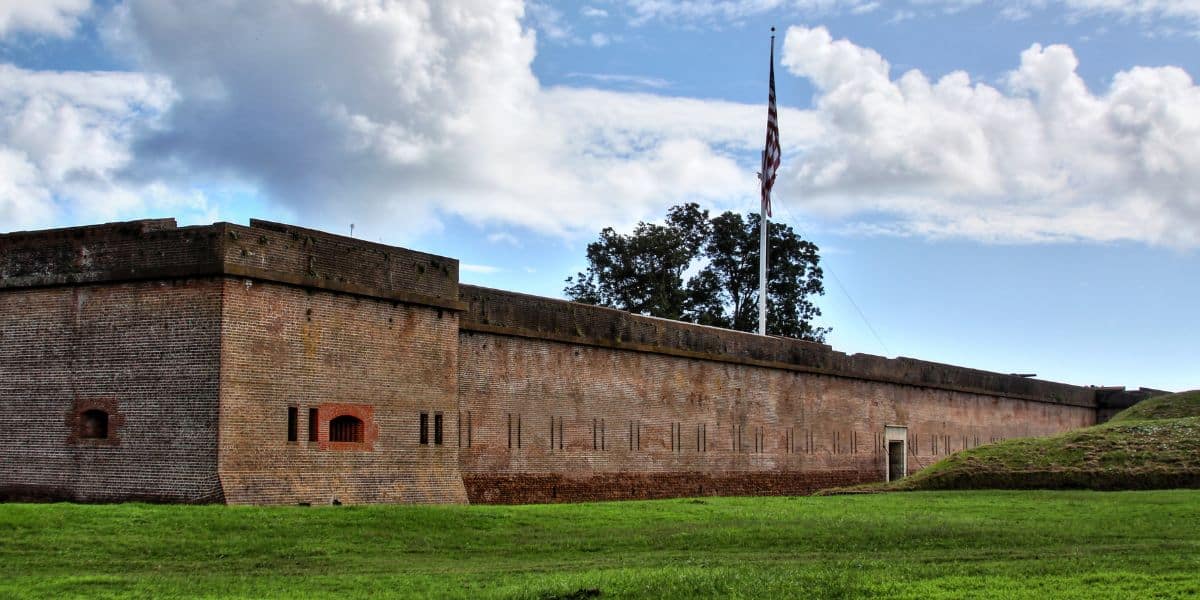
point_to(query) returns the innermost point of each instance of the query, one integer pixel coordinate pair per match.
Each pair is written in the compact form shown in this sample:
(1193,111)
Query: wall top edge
(498,311)
(158,248)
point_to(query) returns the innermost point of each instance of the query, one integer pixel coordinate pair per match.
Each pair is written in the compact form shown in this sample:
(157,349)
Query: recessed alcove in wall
(345,427)
(94,422)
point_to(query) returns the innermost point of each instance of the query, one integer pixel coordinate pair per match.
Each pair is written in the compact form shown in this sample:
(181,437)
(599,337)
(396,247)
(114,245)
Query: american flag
(771,155)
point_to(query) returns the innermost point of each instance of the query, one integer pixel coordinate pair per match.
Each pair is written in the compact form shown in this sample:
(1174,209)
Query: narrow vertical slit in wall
(603,441)
(595,445)
(313,424)
(468,429)
(704,429)
(631,436)
(510,431)
(423,435)
(560,433)
(551,432)
(437,429)
(458,429)
(853,442)
(697,438)
(638,432)
(518,430)
(292,423)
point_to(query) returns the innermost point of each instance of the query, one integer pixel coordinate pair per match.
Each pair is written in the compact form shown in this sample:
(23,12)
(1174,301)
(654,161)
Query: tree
(643,272)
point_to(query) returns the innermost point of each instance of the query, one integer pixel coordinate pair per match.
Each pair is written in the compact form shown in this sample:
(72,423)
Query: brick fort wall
(147,353)
(570,402)
(273,364)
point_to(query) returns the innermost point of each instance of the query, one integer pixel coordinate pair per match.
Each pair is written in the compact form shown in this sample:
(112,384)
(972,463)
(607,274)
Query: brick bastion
(273,364)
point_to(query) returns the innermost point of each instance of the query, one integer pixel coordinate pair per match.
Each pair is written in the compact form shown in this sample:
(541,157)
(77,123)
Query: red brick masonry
(196,341)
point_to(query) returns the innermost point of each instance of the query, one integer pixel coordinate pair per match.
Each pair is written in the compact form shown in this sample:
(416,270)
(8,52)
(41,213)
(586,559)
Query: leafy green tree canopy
(705,270)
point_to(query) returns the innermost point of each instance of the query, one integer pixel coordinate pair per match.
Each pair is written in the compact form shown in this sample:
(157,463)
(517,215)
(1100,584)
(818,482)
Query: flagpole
(763,217)
(765,224)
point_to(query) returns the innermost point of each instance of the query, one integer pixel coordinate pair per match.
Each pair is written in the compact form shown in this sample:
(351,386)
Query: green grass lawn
(1014,544)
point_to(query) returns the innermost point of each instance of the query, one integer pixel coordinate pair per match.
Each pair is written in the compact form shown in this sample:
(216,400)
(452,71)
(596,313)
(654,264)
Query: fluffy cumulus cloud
(381,112)
(51,17)
(1039,158)
(393,115)
(64,140)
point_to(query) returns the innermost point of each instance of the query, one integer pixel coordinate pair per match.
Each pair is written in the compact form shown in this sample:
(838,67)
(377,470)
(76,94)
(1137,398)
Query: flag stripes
(771,154)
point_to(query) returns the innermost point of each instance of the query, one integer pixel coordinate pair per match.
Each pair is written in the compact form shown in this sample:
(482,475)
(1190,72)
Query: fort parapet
(277,364)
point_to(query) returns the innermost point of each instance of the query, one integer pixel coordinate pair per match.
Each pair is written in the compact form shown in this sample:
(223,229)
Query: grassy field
(912,545)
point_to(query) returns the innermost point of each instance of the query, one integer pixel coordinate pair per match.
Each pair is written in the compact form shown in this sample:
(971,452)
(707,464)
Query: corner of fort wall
(198,340)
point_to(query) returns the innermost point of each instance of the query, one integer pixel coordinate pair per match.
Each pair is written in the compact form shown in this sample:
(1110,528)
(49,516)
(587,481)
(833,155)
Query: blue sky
(1009,186)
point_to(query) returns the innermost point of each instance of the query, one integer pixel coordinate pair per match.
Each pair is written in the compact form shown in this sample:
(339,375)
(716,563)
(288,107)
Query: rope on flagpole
(838,281)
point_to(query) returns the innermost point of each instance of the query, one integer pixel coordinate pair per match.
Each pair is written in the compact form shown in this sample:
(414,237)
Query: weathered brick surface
(497,311)
(310,257)
(149,353)
(669,421)
(197,340)
(285,346)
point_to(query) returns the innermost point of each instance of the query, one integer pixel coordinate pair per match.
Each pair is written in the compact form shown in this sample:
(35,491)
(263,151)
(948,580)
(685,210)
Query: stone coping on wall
(158,249)
(522,315)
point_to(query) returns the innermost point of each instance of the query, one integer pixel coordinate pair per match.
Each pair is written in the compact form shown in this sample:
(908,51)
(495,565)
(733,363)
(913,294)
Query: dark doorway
(895,459)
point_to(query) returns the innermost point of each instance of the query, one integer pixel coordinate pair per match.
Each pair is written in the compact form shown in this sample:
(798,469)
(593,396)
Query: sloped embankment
(1154,444)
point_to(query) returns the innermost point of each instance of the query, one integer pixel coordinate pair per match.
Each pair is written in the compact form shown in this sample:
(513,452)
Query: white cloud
(503,237)
(49,17)
(721,11)
(64,142)
(549,20)
(600,40)
(481,269)
(592,12)
(418,111)
(1042,158)
(623,79)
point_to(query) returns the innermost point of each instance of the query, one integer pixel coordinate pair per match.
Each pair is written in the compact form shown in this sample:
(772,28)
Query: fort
(272,364)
